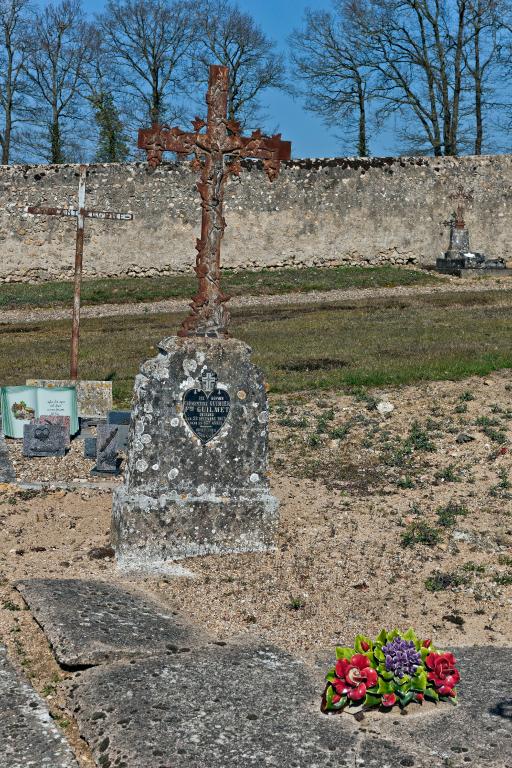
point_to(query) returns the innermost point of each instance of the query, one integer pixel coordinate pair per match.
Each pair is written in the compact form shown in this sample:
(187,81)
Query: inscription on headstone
(44,440)
(205,410)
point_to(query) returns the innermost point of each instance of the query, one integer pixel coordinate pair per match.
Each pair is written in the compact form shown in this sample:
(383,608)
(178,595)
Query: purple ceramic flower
(402,658)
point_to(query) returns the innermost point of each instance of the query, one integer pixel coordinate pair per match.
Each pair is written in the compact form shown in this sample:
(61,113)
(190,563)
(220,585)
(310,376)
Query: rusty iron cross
(460,196)
(218,152)
(80,214)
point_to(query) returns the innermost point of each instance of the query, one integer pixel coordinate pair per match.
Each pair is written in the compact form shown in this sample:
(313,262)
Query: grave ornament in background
(196,478)
(80,214)
(45,439)
(107,461)
(459,260)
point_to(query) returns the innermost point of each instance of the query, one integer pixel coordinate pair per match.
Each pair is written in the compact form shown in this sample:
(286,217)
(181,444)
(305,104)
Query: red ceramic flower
(388,699)
(442,672)
(354,677)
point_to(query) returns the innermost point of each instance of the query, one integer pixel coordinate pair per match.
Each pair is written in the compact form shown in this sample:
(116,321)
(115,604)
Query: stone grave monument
(196,478)
(459,259)
(47,439)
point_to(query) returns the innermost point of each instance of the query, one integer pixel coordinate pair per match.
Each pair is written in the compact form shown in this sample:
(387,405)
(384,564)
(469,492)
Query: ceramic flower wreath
(395,668)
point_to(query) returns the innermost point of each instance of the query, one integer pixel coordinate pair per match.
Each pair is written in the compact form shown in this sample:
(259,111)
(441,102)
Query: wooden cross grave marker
(80,214)
(221,140)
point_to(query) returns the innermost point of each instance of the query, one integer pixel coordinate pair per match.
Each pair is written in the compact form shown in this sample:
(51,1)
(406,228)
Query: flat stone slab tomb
(90,622)
(217,705)
(28,735)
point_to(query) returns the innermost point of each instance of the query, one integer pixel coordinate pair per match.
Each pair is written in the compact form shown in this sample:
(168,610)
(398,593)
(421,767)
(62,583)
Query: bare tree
(332,65)
(483,56)
(232,38)
(417,49)
(149,42)
(13,50)
(59,52)
(102,90)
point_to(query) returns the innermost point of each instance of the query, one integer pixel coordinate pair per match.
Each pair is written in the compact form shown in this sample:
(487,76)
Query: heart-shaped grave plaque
(206,410)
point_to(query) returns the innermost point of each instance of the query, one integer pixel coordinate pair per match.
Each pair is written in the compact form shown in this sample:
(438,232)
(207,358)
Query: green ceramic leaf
(344,653)
(379,654)
(330,676)
(341,703)
(372,701)
(419,681)
(328,697)
(382,637)
(411,635)
(385,686)
(431,694)
(363,639)
(391,635)
(405,700)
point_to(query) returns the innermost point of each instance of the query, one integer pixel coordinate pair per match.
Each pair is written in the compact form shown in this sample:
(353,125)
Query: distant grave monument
(459,260)
(196,479)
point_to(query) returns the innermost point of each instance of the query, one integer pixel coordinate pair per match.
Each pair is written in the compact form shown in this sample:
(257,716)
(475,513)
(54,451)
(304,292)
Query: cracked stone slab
(28,736)
(219,707)
(7,473)
(92,622)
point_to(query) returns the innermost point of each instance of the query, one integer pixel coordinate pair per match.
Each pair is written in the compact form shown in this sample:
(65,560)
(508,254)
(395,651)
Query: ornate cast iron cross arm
(221,139)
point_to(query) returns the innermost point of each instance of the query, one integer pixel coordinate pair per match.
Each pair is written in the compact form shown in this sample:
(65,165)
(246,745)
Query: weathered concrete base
(146,530)
(196,477)
(29,737)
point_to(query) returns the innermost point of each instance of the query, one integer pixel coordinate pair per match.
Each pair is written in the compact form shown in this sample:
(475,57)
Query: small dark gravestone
(64,421)
(90,447)
(107,461)
(122,420)
(44,440)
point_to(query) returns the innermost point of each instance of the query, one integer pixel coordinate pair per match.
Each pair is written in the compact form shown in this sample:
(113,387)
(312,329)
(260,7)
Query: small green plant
(447,515)
(314,440)
(405,482)
(340,433)
(322,421)
(505,560)
(289,421)
(466,396)
(448,475)
(471,567)
(418,439)
(10,606)
(496,435)
(461,408)
(486,421)
(420,532)
(503,579)
(296,603)
(440,581)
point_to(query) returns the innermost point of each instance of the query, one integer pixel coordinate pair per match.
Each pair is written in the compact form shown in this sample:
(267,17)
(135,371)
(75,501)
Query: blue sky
(308,134)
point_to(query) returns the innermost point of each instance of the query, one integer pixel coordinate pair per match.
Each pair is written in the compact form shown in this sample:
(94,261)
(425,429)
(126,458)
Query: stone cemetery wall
(318,212)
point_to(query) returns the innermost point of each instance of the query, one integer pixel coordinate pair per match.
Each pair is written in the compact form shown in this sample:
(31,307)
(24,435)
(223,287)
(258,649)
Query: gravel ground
(449,284)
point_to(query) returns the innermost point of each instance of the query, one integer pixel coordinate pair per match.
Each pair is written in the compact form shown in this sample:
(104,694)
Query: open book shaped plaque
(22,404)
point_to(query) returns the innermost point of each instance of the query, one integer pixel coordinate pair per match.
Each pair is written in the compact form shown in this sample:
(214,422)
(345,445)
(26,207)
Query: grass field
(362,344)
(130,290)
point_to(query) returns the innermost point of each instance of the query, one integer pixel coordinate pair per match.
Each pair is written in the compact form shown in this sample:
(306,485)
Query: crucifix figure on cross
(218,152)
(80,214)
